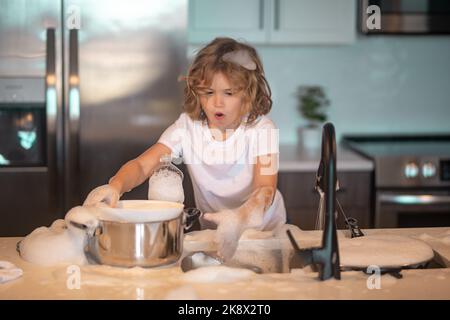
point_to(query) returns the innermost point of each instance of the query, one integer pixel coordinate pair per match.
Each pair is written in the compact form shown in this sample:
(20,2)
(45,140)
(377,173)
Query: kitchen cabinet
(273,21)
(302,200)
(232,18)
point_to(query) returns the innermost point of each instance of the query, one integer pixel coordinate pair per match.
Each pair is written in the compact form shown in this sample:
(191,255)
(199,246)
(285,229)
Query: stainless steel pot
(143,244)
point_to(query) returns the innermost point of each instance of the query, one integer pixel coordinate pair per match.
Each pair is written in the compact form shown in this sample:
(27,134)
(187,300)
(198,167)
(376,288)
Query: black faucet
(325,258)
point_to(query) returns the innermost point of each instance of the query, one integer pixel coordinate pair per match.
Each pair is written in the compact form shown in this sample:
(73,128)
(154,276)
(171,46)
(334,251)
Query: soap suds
(383,251)
(136,211)
(217,274)
(53,245)
(9,271)
(166,185)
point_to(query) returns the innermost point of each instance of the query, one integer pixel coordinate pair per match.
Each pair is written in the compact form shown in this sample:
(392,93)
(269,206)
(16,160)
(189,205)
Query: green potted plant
(312,105)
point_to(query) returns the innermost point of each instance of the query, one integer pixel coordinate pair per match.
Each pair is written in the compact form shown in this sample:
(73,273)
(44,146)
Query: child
(229,146)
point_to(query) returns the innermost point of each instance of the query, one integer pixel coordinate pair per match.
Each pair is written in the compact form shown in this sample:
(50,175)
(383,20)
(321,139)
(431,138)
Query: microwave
(414,17)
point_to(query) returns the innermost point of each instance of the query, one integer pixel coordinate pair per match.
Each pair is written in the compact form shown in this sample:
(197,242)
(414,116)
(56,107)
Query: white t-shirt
(222,171)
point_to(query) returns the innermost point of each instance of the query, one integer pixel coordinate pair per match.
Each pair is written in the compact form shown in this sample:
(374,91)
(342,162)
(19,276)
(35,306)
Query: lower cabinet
(302,200)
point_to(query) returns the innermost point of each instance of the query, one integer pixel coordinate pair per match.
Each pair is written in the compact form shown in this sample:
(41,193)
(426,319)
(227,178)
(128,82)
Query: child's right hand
(105,193)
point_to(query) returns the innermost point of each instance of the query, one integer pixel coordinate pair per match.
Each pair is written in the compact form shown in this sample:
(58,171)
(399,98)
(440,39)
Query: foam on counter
(217,274)
(53,245)
(383,251)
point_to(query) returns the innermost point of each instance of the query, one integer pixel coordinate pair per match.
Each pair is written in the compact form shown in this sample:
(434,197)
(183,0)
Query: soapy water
(166,185)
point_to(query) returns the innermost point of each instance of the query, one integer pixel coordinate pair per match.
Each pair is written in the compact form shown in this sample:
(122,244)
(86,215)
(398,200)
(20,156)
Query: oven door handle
(413,199)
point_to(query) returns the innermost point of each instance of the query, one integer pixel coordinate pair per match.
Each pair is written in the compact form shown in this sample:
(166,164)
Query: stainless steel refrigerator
(84,87)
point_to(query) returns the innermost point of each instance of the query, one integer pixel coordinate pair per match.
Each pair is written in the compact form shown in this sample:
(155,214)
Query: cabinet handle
(412,199)
(277,14)
(261,14)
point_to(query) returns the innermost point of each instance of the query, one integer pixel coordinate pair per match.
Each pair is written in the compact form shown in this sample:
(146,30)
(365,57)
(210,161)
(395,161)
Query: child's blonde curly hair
(210,60)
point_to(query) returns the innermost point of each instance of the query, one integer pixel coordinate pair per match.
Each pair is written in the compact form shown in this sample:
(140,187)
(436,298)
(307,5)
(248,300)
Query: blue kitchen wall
(379,84)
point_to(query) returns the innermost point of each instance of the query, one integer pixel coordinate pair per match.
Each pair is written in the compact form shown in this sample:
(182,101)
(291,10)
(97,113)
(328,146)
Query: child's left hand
(229,230)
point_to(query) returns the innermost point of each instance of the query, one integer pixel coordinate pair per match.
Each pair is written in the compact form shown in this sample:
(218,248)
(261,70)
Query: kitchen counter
(294,158)
(104,282)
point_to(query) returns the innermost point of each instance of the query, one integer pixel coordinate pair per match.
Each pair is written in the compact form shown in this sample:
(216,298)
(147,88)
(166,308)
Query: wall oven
(410,209)
(412,179)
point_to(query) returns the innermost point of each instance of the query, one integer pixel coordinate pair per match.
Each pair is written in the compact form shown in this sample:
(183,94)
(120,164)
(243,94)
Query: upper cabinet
(244,19)
(313,21)
(273,21)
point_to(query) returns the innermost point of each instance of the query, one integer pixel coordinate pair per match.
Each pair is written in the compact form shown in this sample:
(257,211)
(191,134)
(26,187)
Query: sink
(263,255)
(270,256)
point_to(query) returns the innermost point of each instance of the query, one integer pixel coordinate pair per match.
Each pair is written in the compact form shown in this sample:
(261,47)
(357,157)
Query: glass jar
(166,182)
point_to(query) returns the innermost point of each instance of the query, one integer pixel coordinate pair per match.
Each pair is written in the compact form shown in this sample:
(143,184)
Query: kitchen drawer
(304,218)
(298,189)
(355,188)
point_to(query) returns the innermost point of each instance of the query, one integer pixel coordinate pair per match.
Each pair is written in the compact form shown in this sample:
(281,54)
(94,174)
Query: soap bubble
(166,185)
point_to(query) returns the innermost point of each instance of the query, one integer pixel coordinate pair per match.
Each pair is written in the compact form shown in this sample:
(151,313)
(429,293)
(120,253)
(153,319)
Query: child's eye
(206,92)
(229,93)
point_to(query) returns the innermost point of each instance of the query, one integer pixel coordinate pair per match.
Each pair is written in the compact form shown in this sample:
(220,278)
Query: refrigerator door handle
(51,104)
(72,122)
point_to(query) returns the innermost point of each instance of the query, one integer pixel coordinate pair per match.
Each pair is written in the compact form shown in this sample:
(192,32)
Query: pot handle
(190,216)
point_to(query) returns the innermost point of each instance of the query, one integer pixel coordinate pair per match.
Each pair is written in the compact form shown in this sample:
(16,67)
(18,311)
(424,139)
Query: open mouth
(219,115)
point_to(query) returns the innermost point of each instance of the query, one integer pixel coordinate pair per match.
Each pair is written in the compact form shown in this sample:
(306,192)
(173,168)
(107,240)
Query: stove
(412,178)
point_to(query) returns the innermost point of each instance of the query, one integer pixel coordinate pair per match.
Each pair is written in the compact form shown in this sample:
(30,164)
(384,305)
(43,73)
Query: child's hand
(230,227)
(105,193)
(232,223)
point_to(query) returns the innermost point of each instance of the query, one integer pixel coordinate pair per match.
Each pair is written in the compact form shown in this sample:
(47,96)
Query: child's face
(222,103)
